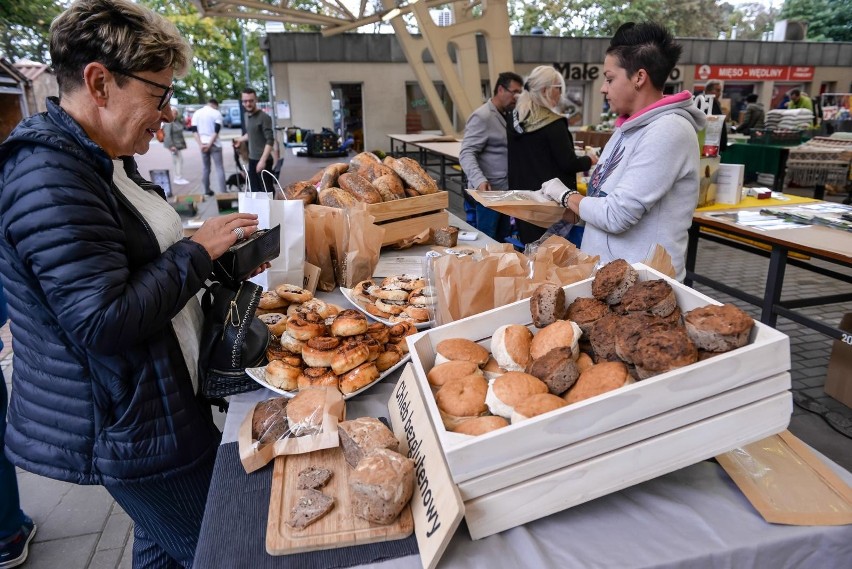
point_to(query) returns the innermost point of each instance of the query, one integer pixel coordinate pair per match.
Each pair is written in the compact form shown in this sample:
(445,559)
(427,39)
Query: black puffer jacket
(100,388)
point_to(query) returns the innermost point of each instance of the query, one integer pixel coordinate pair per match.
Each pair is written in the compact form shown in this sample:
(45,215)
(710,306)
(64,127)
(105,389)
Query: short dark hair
(751,98)
(249,91)
(506,78)
(647,45)
(795,92)
(213,101)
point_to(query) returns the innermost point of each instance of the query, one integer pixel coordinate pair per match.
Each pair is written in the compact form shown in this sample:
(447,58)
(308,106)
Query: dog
(236,180)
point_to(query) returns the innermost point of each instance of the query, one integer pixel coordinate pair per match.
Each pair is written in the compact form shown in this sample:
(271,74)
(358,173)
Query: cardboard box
(838,380)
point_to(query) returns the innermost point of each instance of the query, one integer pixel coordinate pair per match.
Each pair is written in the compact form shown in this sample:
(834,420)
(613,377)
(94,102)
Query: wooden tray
(340,527)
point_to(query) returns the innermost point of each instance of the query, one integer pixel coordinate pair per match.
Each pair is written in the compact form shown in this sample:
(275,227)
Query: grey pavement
(83,528)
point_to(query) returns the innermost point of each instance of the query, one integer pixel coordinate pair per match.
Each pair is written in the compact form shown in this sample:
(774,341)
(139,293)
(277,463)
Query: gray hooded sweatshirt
(644,189)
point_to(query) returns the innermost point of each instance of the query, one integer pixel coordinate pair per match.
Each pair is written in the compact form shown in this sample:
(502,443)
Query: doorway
(347,113)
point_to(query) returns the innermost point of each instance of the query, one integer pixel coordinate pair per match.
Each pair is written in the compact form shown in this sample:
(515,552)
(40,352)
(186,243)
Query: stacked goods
(586,389)
(398,298)
(366,179)
(630,330)
(316,344)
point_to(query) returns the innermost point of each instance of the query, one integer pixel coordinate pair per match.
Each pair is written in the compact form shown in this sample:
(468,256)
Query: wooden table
(827,244)
(403,140)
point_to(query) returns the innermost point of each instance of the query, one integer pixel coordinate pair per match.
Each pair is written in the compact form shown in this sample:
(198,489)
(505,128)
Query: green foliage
(24,27)
(828,20)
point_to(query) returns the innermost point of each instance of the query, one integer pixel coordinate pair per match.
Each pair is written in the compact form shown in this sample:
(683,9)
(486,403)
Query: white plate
(259,375)
(347,292)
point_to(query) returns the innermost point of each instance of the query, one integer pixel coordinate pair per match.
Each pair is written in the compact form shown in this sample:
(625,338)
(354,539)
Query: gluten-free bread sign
(436,505)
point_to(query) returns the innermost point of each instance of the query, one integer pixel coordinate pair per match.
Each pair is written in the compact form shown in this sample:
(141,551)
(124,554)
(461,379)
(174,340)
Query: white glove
(557,191)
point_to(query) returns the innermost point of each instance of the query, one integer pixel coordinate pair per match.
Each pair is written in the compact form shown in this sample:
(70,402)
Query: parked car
(231,117)
(187,115)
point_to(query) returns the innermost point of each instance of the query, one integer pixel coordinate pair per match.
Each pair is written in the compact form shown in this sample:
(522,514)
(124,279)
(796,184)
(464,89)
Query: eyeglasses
(164,99)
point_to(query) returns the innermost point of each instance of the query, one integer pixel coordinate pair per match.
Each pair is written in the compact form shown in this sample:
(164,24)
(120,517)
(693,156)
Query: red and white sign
(754,73)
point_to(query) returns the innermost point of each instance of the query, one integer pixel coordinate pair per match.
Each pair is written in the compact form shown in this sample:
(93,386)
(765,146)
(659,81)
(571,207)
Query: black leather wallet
(243,257)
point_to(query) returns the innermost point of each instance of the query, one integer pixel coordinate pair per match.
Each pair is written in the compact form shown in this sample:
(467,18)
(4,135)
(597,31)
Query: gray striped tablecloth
(233,533)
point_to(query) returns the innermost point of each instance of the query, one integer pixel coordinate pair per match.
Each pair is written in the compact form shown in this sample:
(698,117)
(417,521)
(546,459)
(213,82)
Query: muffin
(586,311)
(654,297)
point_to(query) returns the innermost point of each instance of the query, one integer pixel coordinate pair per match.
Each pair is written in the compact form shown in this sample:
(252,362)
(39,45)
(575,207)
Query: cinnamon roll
(306,325)
(319,351)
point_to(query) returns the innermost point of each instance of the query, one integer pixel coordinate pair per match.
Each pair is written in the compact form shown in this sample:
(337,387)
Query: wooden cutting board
(338,528)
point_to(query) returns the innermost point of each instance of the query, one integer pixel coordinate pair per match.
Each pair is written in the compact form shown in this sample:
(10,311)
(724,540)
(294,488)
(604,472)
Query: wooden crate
(767,354)
(407,217)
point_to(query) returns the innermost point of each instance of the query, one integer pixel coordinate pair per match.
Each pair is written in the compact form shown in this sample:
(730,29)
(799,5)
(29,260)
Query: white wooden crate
(766,354)
(632,464)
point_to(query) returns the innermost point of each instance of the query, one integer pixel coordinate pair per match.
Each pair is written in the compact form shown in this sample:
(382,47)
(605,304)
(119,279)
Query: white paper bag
(289,267)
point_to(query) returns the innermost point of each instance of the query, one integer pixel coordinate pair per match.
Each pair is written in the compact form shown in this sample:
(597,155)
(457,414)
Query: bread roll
(390,187)
(585,312)
(441,373)
(414,175)
(718,328)
(463,396)
(360,188)
(663,350)
(360,437)
(613,280)
(510,389)
(269,420)
(556,369)
(547,304)
(446,236)
(598,379)
(330,175)
(381,486)
(335,197)
(510,346)
(655,297)
(460,349)
(536,405)
(562,333)
(481,425)
(358,377)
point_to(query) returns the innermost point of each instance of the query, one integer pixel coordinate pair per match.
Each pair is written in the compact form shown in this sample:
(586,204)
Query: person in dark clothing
(753,116)
(540,145)
(102,284)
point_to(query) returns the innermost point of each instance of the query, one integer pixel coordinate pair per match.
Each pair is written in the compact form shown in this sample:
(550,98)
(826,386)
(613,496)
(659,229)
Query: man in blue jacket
(16,528)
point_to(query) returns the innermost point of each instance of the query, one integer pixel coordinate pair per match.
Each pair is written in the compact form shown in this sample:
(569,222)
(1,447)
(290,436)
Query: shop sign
(754,73)
(578,71)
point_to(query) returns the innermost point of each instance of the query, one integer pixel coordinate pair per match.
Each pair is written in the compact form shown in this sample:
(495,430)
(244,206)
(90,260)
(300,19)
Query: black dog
(237,180)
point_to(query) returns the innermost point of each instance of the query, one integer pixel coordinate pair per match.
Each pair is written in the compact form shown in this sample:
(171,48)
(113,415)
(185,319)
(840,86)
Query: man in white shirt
(207,122)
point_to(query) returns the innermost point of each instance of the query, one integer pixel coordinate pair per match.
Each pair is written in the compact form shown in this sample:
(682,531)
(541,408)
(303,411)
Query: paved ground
(82,528)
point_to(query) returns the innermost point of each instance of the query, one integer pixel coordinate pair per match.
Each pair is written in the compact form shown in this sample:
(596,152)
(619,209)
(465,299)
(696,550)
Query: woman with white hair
(540,145)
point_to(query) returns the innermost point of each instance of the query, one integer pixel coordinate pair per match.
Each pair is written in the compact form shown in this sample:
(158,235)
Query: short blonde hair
(118,33)
(541,78)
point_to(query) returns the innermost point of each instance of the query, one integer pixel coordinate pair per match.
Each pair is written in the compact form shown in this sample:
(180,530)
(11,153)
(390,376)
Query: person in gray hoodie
(645,187)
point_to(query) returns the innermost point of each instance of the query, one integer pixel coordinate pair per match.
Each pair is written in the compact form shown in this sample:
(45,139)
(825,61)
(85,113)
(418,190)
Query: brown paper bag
(422,238)
(359,244)
(463,286)
(660,260)
(320,223)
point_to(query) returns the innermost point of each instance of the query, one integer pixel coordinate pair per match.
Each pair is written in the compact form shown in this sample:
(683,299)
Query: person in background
(645,188)
(173,140)
(484,152)
(17,530)
(206,123)
(102,284)
(799,100)
(715,88)
(753,116)
(540,145)
(260,138)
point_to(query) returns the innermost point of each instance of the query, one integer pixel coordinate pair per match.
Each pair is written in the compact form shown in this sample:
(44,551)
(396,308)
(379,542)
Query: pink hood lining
(667,100)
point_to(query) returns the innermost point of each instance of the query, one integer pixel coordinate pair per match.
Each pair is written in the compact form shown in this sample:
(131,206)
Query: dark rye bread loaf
(613,280)
(360,437)
(311,506)
(632,327)
(718,328)
(663,350)
(269,420)
(557,369)
(651,297)
(547,304)
(586,311)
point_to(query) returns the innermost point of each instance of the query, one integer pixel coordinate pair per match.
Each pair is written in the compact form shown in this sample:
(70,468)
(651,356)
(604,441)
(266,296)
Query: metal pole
(245,54)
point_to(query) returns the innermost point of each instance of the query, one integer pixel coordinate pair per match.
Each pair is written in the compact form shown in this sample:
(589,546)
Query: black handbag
(232,339)
(243,257)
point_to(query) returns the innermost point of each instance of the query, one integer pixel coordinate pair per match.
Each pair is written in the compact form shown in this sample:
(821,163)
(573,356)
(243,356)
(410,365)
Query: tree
(24,28)
(751,21)
(828,20)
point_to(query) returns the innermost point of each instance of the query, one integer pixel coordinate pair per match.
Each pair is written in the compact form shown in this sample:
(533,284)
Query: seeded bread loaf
(359,437)
(381,486)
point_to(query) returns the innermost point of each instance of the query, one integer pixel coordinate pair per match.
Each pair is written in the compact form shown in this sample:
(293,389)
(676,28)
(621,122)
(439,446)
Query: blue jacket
(101,391)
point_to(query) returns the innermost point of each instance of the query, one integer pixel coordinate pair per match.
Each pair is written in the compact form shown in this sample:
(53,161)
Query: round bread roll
(547,304)
(275,351)
(306,325)
(363,159)
(492,369)
(399,331)
(358,377)
(390,187)
(293,293)
(460,349)
(602,338)
(414,175)
(349,322)
(510,346)
(330,175)
(536,405)
(361,291)
(598,379)
(562,333)
(374,347)
(556,369)
(481,425)
(304,191)
(391,356)
(441,373)
(663,350)
(291,344)
(269,300)
(275,321)
(348,356)
(359,187)
(631,328)
(584,362)
(305,411)
(463,396)
(718,328)
(585,312)
(510,389)
(319,351)
(390,292)
(655,297)
(316,305)
(613,280)
(283,375)
(317,377)
(335,197)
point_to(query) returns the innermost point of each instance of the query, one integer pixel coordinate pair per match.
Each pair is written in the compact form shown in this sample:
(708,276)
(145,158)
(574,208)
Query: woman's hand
(219,233)
(569,216)
(594,157)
